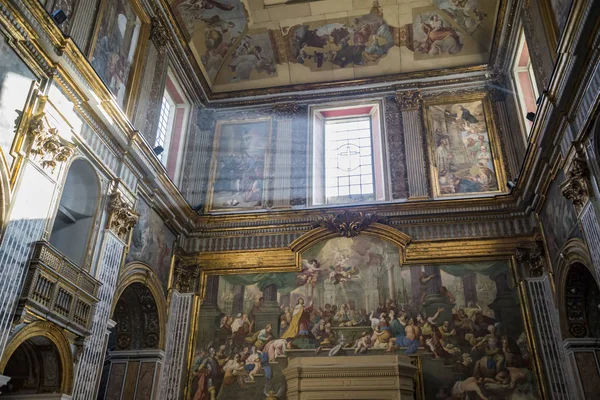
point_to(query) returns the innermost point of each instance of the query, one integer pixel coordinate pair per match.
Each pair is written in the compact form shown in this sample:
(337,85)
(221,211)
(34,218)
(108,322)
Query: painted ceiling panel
(243,45)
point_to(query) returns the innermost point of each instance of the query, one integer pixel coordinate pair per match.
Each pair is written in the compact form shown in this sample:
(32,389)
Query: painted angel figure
(272,395)
(340,274)
(309,276)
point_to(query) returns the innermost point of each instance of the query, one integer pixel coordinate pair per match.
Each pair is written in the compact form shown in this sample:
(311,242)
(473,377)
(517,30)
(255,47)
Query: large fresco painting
(15,84)
(240,161)
(118,35)
(152,243)
(462,151)
(237,42)
(352,297)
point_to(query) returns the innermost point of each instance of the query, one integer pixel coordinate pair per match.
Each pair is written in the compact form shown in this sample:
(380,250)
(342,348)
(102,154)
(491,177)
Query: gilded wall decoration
(396,150)
(120,33)
(121,216)
(152,242)
(240,165)
(15,85)
(465,154)
(353,297)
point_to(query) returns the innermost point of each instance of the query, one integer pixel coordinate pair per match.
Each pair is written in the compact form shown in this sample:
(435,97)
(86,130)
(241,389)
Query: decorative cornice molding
(575,188)
(46,144)
(348,224)
(285,110)
(408,100)
(121,216)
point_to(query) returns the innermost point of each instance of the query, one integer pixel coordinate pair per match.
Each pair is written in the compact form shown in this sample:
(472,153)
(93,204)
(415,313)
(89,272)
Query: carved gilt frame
(494,141)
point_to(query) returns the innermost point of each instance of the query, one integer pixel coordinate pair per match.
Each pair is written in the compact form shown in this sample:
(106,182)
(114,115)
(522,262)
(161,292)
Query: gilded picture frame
(289,259)
(127,98)
(240,165)
(463,146)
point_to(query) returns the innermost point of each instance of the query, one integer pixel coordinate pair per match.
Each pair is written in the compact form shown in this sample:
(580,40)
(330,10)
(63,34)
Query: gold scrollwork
(46,143)
(408,100)
(185,275)
(533,258)
(122,218)
(348,224)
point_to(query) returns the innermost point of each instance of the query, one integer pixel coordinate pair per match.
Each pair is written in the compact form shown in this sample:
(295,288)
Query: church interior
(299,199)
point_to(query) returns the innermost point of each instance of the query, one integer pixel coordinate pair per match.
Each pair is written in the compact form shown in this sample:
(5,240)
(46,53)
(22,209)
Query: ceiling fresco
(242,45)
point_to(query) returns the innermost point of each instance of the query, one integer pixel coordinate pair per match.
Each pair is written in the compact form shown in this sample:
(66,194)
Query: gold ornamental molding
(409,100)
(121,216)
(533,258)
(47,147)
(57,336)
(575,188)
(348,224)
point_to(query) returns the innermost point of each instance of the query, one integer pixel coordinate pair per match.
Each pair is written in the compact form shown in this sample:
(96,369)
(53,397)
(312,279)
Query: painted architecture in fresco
(460,147)
(239,161)
(352,297)
(152,243)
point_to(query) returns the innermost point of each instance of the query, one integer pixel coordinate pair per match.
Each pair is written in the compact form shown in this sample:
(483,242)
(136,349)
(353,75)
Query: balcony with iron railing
(57,290)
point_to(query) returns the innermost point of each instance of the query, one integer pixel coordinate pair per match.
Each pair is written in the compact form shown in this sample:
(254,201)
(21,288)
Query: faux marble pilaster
(90,365)
(510,135)
(591,232)
(178,329)
(283,164)
(412,126)
(544,319)
(26,223)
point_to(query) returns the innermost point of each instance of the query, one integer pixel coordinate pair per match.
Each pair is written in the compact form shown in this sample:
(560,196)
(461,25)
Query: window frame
(519,96)
(319,115)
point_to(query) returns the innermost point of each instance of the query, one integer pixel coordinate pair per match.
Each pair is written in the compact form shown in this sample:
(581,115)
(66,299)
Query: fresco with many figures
(460,146)
(241,47)
(352,297)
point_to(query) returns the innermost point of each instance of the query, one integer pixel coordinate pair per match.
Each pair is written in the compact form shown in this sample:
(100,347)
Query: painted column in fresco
(269,311)
(391,281)
(470,287)
(210,310)
(176,348)
(412,124)
(238,300)
(415,272)
(282,166)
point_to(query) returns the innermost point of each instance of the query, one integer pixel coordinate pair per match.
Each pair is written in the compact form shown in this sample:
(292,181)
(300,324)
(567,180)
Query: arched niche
(38,360)
(136,343)
(578,292)
(74,222)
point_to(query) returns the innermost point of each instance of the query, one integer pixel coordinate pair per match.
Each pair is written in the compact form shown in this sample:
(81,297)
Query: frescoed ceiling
(245,44)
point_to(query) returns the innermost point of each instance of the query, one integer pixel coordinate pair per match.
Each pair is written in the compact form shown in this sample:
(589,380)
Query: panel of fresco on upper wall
(152,243)
(369,39)
(352,297)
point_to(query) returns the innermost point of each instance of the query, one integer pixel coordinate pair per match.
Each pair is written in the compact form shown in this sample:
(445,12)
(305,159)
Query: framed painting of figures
(240,165)
(465,154)
(117,49)
(461,324)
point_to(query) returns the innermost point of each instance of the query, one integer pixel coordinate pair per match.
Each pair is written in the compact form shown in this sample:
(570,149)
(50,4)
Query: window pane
(343,181)
(367,189)
(344,191)
(355,189)
(355,180)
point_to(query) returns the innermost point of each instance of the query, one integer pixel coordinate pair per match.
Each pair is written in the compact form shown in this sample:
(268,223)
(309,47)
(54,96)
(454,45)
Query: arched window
(582,299)
(74,220)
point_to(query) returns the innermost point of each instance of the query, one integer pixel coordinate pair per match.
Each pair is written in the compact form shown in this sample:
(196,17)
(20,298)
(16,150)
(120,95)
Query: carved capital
(575,188)
(159,34)
(121,216)
(285,110)
(46,144)
(347,224)
(185,275)
(409,99)
(533,258)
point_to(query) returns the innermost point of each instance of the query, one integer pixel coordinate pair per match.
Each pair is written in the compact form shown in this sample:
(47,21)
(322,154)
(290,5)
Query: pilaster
(412,126)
